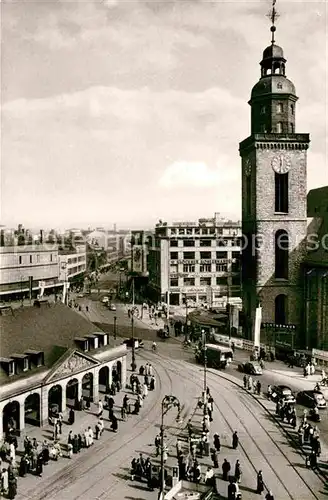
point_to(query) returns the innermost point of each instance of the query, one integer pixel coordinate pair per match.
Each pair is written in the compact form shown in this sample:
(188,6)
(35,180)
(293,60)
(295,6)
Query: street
(103,472)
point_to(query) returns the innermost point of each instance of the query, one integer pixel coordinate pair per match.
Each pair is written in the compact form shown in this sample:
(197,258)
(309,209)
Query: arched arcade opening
(87,387)
(117,372)
(72,393)
(103,379)
(10,417)
(55,399)
(32,409)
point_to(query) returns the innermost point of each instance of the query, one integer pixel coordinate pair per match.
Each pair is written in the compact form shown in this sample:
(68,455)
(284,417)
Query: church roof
(273,52)
(273,84)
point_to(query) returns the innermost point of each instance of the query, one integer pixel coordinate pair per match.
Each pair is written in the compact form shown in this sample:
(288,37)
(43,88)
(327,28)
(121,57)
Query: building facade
(274,199)
(315,271)
(50,358)
(195,263)
(73,265)
(23,267)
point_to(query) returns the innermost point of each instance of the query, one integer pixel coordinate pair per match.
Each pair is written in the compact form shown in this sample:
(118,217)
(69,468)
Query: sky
(128,112)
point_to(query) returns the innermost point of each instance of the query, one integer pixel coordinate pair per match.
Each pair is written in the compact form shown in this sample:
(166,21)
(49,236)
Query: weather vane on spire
(273,16)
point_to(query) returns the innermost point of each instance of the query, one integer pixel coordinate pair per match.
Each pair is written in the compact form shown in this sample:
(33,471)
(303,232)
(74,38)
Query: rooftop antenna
(273,16)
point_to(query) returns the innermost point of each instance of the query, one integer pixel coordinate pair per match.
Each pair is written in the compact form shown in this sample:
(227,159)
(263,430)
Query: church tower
(274,197)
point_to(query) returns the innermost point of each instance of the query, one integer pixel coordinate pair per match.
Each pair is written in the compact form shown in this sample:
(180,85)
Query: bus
(217,356)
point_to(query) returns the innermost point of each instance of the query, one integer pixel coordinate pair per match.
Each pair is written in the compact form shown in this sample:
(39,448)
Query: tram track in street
(218,376)
(66,477)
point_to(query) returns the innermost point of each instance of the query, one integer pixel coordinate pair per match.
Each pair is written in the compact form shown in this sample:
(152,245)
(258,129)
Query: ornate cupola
(273,96)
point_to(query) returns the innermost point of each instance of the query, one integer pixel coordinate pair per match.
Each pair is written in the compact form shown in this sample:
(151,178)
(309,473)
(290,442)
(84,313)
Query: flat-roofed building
(23,267)
(196,262)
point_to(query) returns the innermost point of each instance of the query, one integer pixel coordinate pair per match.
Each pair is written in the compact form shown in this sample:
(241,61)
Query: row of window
(204,255)
(204,268)
(222,242)
(280,108)
(203,281)
(280,128)
(24,259)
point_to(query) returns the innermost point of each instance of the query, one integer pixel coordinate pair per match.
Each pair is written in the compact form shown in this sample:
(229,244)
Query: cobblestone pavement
(102,472)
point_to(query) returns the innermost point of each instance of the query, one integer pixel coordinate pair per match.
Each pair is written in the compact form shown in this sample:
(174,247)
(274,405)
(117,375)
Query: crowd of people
(38,454)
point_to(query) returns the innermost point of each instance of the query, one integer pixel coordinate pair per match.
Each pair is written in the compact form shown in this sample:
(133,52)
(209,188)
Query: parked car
(162,334)
(251,368)
(311,399)
(138,343)
(105,300)
(112,307)
(283,392)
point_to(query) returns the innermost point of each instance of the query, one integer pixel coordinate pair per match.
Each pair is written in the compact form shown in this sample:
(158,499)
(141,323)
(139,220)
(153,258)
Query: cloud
(185,174)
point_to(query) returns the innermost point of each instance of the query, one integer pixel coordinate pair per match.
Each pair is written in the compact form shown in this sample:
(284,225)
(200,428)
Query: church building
(274,202)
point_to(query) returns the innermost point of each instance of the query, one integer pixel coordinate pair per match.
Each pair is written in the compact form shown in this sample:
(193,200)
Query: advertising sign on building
(257,326)
(137,259)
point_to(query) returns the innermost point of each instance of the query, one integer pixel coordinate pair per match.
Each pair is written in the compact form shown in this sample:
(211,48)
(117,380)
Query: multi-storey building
(316,271)
(22,268)
(73,264)
(197,263)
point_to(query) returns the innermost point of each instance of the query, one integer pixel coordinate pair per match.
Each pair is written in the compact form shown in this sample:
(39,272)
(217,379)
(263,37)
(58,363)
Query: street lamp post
(205,369)
(168,402)
(133,362)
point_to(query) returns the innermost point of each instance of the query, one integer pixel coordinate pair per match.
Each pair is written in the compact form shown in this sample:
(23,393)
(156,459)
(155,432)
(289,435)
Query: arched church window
(281,309)
(281,192)
(279,128)
(281,254)
(291,128)
(292,109)
(279,108)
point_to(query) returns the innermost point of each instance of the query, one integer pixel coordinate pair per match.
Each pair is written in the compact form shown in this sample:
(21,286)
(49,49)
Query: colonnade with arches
(34,407)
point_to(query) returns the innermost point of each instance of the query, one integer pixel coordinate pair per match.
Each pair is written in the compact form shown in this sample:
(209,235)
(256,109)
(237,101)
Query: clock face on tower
(281,163)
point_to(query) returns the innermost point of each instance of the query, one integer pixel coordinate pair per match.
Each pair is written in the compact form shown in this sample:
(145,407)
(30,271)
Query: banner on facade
(257,327)
(42,285)
(137,259)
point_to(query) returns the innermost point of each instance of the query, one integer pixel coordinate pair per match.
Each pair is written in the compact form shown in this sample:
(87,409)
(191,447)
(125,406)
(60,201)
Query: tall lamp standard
(205,369)
(168,402)
(115,319)
(133,361)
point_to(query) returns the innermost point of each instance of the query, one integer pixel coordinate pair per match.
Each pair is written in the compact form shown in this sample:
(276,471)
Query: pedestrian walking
(157,444)
(235,440)
(233,490)
(226,468)
(215,459)
(237,471)
(245,381)
(260,483)
(217,442)
(258,387)
(71,417)
(100,408)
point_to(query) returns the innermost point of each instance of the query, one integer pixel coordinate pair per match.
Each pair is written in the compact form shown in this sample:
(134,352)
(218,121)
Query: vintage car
(282,392)
(250,367)
(312,399)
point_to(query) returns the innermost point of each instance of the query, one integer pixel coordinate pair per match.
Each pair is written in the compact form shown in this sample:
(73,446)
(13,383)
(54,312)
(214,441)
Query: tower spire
(273,16)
